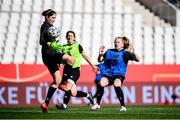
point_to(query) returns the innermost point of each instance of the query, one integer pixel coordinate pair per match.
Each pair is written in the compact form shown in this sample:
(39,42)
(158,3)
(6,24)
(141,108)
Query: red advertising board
(26,85)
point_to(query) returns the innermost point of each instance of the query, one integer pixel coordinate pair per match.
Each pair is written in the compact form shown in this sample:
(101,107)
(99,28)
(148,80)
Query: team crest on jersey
(116,55)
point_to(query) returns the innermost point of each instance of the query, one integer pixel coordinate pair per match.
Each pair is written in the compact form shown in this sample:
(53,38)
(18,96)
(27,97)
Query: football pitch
(83,112)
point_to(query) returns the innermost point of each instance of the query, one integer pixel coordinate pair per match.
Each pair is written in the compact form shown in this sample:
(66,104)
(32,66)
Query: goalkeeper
(50,55)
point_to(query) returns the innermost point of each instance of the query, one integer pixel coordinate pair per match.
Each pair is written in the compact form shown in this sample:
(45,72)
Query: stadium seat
(118,6)
(138,20)
(20,51)
(128,25)
(78,6)
(30,52)
(14,20)
(7,59)
(22,40)
(18,2)
(12,29)
(16,7)
(2,39)
(107,24)
(128,10)
(37,6)
(98,6)
(67,19)
(68,6)
(58,5)
(9,51)
(6,7)
(159,30)
(0,58)
(159,59)
(108,6)
(29,60)
(23,30)
(158,47)
(86,41)
(1,50)
(148,49)
(26,8)
(117,28)
(35,20)
(19,59)
(148,59)
(3,30)
(95,22)
(86,32)
(77,23)
(39,60)
(169,49)
(88,6)
(169,30)
(4,19)
(96,43)
(148,30)
(33,40)
(177,50)
(107,40)
(177,30)
(6,2)
(11,40)
(25,20)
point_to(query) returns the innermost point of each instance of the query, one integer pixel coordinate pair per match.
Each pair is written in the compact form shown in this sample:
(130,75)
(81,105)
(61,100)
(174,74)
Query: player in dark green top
(72,73)
(50,57)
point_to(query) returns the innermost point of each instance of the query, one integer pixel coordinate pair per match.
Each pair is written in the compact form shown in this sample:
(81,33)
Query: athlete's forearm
(88,60)
(135,56)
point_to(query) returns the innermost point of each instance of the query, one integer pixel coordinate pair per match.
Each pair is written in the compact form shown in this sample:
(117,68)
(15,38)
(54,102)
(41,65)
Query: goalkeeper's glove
(55,46)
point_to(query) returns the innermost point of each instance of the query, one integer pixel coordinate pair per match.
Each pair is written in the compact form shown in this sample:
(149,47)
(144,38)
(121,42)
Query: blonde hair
(125,40)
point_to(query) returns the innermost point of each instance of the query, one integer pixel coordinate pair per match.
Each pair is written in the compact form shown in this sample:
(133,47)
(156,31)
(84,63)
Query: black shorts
(52,62)
(70,73)
(112,78)
(97,82)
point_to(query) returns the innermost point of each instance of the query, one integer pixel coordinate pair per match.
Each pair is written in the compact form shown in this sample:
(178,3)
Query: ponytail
(48,12)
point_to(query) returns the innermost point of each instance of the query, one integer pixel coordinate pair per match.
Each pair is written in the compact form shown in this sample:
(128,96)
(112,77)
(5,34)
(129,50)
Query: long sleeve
(44,38)
(43,33)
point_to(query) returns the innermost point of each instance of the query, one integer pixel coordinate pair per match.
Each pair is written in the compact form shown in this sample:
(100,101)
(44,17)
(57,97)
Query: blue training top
(115,62)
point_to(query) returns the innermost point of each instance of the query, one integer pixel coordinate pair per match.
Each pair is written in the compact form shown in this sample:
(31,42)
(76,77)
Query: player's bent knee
(71,81)
(54,86)
(74,90)
(74,93)
(118,84)
(103,83)
(70,60)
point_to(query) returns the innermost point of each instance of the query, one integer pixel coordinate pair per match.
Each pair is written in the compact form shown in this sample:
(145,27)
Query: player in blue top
(115,63)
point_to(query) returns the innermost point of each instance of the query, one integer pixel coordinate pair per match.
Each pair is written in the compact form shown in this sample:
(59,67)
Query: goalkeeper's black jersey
(44,38)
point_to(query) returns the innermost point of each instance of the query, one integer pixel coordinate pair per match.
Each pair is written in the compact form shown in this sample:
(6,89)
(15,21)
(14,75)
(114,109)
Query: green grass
(83,112)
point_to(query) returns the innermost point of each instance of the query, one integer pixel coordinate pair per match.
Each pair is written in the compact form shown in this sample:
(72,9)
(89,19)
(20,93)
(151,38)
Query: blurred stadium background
(153,27)
(95,22)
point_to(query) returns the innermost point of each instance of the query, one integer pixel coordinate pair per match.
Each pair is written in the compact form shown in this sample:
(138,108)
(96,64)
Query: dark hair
(70,32)
(48,12)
